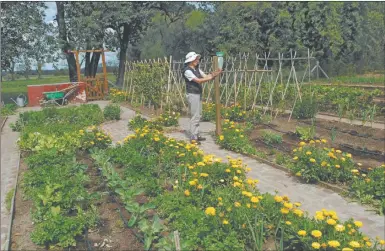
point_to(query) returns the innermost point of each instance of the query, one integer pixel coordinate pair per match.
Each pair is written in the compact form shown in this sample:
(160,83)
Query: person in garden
(194,78)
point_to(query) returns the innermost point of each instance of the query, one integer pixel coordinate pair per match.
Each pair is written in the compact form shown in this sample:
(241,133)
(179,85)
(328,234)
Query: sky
(50,15)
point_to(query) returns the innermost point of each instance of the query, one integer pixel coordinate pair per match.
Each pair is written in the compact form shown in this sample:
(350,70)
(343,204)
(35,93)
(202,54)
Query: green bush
(8,109)
(306,109)
(271,138)
(112,112)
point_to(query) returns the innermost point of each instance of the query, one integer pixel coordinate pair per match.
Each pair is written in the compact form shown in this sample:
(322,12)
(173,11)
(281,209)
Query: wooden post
(177,241)
(218,124)
(105,82)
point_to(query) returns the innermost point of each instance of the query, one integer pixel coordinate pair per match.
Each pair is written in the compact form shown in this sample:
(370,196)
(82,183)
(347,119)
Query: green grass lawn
(20,85)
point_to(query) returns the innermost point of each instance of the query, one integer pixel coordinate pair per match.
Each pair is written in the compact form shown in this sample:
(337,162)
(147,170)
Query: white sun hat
(191,56)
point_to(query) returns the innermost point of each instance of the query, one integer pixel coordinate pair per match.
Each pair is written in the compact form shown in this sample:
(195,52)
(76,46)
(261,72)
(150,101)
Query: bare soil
(367,145)
(110,234)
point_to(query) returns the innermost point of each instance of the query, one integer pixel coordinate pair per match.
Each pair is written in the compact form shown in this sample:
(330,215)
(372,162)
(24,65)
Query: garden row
(52,142)
(312,161)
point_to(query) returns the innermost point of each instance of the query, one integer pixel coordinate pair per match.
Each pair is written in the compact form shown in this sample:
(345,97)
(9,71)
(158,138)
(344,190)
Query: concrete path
(9,170)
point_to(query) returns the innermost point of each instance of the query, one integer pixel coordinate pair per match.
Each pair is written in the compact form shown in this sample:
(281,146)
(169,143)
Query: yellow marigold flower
(190,167)
(243,225)
(300,148)
(182,155)
(239,171)
(284,210)
(254,199)
(334,244)
(204,175)
(358,223)
(250,181)
(236,184)
(237,204)
(354,244)
(288,223)
(324,141)
(315,245)
(301,233)
(349,155)
(298,174)
(192,183)
(221,137)
(200,187)
(227,170)
(347,249)
(201,164)
(338,151)
(338,166)
(225,222)
(187,192)
(94,143)
(308,153)
(285,198)
(339,228)
(278,198)
(343,159)
(312,160)
(311,142)
(320,217)
(382,242)
(295,158)
(210,211)
(248,205)
(324,163)
(297,204)
(302,143)
(298,212)
(359,164)
(316,233)
(288,205)
(156,139)
(324,245)
(235,178)
(295,149)
(368,244)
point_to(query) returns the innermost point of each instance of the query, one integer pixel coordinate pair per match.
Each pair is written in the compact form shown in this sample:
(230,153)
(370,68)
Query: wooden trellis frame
(237,77)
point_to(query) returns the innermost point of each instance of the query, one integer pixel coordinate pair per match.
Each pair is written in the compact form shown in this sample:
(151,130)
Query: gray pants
(195,104)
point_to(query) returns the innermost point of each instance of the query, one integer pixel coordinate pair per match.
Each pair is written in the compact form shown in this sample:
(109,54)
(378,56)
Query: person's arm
(206,78)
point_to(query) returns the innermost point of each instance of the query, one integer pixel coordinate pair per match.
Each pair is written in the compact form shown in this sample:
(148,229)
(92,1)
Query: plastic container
(220,59)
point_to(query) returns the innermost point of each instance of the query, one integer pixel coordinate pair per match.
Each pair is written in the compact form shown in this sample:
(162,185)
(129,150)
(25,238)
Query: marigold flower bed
(224,206)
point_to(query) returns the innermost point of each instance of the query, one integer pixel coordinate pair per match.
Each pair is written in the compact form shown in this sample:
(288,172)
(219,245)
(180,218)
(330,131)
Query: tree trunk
(123,55)
(12,70)
(94,63)
(66,46)
(39,66)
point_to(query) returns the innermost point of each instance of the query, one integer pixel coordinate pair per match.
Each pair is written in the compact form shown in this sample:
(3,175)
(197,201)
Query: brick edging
(5,120)
(7,243)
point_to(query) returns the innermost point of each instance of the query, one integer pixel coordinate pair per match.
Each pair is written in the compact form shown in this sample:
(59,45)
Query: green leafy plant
(270,137)
(8,109)
(305,133)
(306,109)
(112,112)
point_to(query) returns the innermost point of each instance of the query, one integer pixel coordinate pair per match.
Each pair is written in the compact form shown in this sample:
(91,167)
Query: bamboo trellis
(248,79)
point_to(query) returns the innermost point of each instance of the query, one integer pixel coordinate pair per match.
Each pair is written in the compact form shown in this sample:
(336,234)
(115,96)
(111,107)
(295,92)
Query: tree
(19,23)
(64,41)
